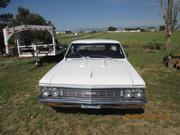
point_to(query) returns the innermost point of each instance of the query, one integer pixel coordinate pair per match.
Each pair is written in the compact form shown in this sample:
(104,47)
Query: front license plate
(91,106)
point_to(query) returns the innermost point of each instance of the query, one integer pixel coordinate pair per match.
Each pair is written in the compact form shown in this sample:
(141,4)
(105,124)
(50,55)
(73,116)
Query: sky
(77,14)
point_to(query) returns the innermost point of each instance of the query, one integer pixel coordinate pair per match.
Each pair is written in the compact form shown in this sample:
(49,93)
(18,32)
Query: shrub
(125,46)
(154,45)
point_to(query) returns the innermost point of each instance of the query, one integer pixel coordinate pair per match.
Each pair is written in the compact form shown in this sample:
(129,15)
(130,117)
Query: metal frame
(8,32)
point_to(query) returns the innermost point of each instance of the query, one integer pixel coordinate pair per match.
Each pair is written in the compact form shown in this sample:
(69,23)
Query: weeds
(154,45)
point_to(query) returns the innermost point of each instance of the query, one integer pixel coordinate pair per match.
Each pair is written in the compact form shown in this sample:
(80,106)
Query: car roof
(90,41)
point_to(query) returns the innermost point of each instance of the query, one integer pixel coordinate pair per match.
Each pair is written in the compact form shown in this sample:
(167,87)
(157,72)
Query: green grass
(125,38)
(20,113)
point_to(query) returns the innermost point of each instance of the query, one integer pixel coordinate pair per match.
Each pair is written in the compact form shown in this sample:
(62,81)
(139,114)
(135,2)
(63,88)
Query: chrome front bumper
(103,102)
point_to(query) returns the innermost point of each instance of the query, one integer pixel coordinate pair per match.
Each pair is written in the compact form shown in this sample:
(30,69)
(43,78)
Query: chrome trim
(104,97)
(93,93)
(102,101)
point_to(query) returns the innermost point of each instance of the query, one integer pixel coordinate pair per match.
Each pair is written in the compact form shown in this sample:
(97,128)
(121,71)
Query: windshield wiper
(75,55)
(103,56)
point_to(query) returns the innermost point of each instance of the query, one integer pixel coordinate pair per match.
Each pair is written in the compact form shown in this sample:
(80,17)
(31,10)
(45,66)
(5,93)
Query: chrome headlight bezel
(55,92)
(50,91)
(139,93)
(134,93)
(128,93)
(45,91)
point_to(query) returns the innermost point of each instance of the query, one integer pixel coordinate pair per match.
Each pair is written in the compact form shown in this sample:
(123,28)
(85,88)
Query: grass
(125,38)
(20,113)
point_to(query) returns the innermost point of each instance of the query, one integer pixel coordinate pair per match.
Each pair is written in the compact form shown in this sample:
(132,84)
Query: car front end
(94,74)
(125,98)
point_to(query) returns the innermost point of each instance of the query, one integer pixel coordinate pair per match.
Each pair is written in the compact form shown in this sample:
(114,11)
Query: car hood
(93,73)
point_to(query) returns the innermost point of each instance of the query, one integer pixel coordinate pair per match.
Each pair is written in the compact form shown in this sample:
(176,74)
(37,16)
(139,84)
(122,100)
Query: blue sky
(75,14)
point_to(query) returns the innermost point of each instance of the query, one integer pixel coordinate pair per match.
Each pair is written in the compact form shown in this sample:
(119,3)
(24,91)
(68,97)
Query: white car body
(92,73)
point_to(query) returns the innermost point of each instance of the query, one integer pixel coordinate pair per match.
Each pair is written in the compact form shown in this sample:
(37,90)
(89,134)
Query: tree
(143,30)
(25,17)
(7,17)
(4,21)
(111,28)
(4,3)
(170,10)
(22,16)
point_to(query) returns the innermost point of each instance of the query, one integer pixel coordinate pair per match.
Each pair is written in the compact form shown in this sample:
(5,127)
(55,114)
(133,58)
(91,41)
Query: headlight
(45,91)
(135,93)
(55,92)
(127,93)
(139,93)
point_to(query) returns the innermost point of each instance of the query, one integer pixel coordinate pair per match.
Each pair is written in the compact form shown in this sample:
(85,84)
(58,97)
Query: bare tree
(170,10)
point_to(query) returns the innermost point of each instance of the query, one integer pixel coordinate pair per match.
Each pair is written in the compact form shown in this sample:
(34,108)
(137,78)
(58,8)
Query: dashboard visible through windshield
(95,51)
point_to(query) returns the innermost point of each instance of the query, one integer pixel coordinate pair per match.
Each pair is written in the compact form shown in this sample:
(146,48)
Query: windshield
(95,51)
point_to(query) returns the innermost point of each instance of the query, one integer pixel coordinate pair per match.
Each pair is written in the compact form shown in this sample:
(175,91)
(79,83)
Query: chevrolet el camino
(94,74)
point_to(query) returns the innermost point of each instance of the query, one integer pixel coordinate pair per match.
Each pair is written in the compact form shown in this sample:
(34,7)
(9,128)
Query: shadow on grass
(52,59)
(47,60)
(99,111)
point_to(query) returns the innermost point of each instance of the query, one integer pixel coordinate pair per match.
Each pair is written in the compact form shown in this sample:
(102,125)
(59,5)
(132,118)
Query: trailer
(32,50)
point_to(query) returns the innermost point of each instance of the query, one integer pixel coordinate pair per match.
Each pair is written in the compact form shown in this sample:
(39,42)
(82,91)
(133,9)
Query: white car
(94,73)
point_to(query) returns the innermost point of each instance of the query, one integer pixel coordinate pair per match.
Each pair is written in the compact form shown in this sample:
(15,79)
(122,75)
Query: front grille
(90,93)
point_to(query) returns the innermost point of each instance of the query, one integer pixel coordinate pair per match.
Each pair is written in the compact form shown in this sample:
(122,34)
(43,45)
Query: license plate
(91,106)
